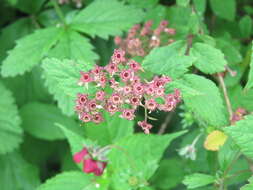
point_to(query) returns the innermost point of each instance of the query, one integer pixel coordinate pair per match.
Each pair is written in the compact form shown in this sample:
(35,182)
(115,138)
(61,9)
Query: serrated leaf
(16,173)
(39,120)
(208,107)
(232,54)
(224,9)
(208,59)
(248,186)
(73,46)
(183,3)
(29,51)
(62,78)
(106,17)
(137,158)
(242,134)
(198,180)
(169,60)
(69,180)
(245,25)
(110,131)
(76,141)
(215,140)
(10,130)
(250,77)
(9,34)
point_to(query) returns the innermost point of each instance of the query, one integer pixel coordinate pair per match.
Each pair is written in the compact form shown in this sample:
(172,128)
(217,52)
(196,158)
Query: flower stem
(59,12)
(224,89)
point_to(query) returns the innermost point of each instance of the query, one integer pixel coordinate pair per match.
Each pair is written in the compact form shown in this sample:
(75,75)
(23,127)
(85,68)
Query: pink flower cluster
(121,89)
(141,39)
(89,164)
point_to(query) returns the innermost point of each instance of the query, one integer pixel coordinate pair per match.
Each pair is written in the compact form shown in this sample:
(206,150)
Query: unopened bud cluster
(78,3)
(121,89)
(141,40)
(238,115)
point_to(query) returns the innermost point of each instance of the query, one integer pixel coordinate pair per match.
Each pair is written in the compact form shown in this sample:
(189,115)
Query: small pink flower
(151,104)
(127,89)
(100,166)
(159,92)
(111,68)
(115,98)
(97,70)
(79,156)
(134,65)
(135,101)
(164,23)
(89,165)
(85,117)
(111,108)
(102,81)
(136,79)
(92,105)
(85,77)
(145,126)
(82,99)
(128,114)
(170,31)
(97,118)
(150,89)
(138,88)
(126,75)
(117,40)
(118,56)
(100,95)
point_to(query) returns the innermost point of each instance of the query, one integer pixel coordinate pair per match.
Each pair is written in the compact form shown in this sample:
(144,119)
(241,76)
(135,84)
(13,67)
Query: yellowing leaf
(215,140)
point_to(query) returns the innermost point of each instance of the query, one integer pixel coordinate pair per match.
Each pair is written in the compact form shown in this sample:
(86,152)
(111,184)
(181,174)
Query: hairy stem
(59,12)
(165,123)
(224,89)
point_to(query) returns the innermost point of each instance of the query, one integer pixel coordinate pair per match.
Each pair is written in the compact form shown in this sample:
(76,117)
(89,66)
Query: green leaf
(143,4)
(111,130)
(136,159)
(209,59)
(224,9)
(29,51)
(245,25)
(198,180)
(29,6)
(232,54)
(200,6)
(10,130)
(62,78)
(248,186)
(169,174)
(9,34)
(250,77)
(106,17)
(73,46)
(39,120)
(69,180)
(169,60)
(242,134)
(16,173)
(76,141)
(207,106)
(183,3)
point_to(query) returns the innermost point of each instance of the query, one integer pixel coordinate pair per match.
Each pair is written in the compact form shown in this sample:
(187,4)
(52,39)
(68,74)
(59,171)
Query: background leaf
(16,173)
(250,77)
(224,9)
(34,46)
(106,17)
(10,130)
(39,120)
